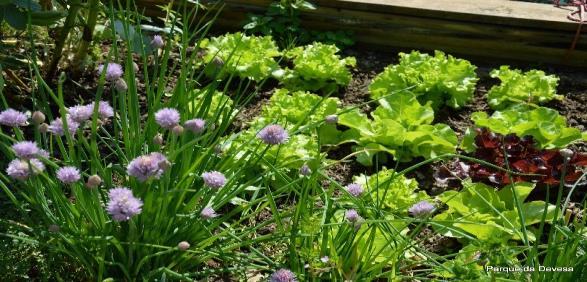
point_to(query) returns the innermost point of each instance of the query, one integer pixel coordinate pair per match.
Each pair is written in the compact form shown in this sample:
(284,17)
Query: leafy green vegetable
(237,54)
(545,125)
(488,214)
(441,79)
(298,108)
(299,113)
(397,192)
(401,127)
(533,86)
(316,67)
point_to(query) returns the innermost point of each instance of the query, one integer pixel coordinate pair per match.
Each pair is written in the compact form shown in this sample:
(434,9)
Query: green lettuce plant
(546,125)
(317,67)
(490,215)
(396,192)
(533,86)
(241,55)
(301,114)
(442,79)
(401,127)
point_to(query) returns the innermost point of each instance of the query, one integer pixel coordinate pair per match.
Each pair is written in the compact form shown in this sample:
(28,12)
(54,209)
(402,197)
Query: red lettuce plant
(522,156)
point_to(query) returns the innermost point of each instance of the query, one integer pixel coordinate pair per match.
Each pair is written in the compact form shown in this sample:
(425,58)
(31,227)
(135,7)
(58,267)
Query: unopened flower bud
(177,130)
(38,117)
(331,119)
(54,228)
(120,85)
(158,139)
(43,128)
(94,181)
(183,246)
(305,170)
(164,165)
(135,67)
(218,61)
(567,153)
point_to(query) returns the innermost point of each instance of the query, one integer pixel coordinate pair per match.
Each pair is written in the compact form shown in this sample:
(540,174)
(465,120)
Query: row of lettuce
(407,94)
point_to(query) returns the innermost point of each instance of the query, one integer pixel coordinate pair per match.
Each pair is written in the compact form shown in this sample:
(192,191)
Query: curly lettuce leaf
(298,108)
(533,86)
(316,67)
(545,125)
(397,192)
(440,79)
(241,55)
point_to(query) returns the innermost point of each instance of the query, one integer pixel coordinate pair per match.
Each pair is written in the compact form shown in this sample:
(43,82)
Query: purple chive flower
(80,113)
(352,215)
(157,42)
(214,179)
(354,189)
(147,166)
(56,127)
(21,169)
(273,134)
(113,71)
(122,205)
(195,125)
(331,119)
(283,275)
(26,150)
(68,174)
(12,117)
(105,111)
(208,213)
(167,118)
(421,209)
(43,154)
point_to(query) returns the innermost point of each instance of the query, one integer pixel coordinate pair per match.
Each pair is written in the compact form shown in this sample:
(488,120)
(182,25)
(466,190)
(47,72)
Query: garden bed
(493,30)
(237,156)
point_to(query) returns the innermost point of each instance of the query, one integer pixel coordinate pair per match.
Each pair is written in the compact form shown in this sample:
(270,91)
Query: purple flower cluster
(283,275)
(113,71)
(208,213)
(147,166)
(13,118)
(352,215)
(23,169)
(80,113)
(26,150)
(421,209)
(355,189)
(122,205)
(167,118)
(273,135)
(68,174)
(214,179)
(195,125)
(157,42)
(57,127)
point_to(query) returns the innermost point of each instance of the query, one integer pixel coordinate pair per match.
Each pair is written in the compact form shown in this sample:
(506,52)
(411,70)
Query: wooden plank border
(494,30)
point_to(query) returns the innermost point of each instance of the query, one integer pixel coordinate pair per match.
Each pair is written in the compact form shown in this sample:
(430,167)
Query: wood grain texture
(496,30)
